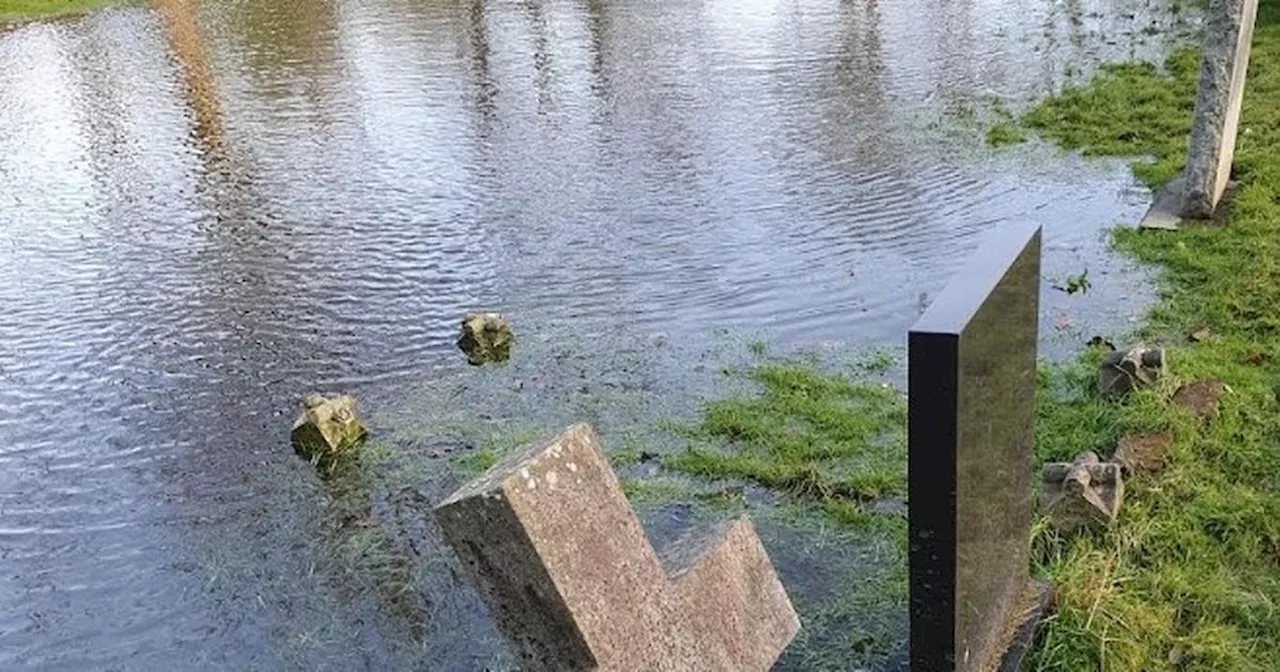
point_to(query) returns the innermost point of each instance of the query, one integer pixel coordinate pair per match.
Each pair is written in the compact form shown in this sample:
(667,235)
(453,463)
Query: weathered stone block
(1216,120)
(485,337)
(564,565)
(1084,493)
(1123,371)
(328,433)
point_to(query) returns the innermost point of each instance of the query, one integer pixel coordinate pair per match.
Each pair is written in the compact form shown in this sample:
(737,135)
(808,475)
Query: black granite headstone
(972,386)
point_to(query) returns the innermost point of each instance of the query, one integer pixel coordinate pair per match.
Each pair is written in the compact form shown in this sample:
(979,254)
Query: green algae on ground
(1189,577)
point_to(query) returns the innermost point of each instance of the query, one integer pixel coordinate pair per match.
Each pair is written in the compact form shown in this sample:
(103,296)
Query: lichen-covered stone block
(1123,371)
(573,583)
(328,433)
(1085,493)
(485,337)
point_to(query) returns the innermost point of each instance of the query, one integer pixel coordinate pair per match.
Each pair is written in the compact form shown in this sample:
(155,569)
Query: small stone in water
(328,433)
(485,337)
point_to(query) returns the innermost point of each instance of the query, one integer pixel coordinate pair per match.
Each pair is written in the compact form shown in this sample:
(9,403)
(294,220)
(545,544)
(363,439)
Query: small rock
(1121,372)
(1085,493)
(1100,342)
(1199,334)
(1200,397)
(1143,453)
(328,433)
(485,337)
(1064,321)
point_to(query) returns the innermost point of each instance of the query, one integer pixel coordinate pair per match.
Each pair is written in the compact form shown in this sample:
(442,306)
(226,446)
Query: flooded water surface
(210,208)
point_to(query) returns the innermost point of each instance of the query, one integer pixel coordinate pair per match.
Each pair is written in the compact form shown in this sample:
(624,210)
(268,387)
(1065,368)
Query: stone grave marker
(568,574)
(971,387)
(1215,123)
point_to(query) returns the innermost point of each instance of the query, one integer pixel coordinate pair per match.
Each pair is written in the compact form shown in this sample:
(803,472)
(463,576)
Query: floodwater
(208,209)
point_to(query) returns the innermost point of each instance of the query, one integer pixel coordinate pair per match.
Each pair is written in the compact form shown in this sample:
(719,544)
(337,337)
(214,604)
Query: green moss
(13,11)
(1189,578)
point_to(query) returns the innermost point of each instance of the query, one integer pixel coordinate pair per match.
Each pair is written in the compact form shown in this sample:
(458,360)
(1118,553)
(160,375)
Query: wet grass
(1189,577)
(826,440)
(16,11)
(817,435)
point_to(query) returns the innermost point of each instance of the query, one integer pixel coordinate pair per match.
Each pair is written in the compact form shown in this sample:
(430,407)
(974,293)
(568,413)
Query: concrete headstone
(1215,123)
(568,574)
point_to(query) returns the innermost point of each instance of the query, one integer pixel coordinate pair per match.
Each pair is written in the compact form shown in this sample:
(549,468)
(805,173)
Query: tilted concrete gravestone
(564,565)
(1216,120)
(972,386)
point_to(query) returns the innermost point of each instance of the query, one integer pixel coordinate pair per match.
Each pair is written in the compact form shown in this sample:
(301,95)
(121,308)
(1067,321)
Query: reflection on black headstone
(972,385)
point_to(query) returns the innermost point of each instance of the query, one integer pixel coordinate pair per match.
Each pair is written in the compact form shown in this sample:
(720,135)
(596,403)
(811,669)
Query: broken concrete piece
(1200,397)
(1143,453)
(568,574)
(1085,493)
(485,337)
(328,432)
(1122,371)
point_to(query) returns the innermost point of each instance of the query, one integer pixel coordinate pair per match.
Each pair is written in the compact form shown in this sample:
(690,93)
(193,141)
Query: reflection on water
(208,209)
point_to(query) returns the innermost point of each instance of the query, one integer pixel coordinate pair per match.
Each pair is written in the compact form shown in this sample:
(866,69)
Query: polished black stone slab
(972,385)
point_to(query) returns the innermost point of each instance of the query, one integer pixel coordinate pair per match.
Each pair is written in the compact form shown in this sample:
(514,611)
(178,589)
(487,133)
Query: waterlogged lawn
(1189,578)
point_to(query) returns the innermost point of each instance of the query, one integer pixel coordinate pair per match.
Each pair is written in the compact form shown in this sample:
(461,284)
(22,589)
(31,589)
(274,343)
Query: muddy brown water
(207,209)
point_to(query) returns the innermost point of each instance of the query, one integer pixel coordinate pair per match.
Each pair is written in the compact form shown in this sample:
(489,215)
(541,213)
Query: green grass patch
(1189,577)
(14,11)
(809,433)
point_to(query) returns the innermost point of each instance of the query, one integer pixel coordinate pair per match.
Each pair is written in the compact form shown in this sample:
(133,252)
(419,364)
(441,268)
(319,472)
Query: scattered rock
(1100,342)
(1122,372)
(485,337)
(1200,397)
(1085,493)
(329,432)
(1143,453)
(1199,334)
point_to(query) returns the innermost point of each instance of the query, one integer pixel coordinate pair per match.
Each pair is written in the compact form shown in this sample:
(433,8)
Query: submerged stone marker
(328,433)
(564,565)
(971,410)
(1197,193)
(485,337)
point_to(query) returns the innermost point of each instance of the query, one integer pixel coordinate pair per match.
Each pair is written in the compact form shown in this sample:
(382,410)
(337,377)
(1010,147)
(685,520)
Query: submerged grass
(1189,577)
(817,435)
